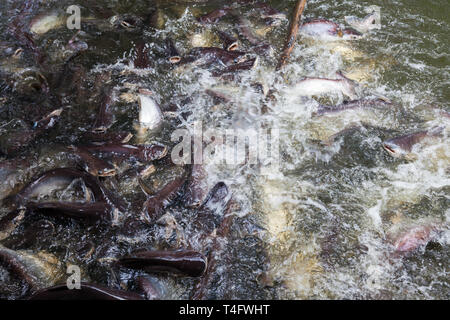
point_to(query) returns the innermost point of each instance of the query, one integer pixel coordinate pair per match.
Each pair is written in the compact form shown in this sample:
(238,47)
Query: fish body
(145,153)
(189,263)
(156,204)
(364,24)
(150,115)
(402,146)
(94,211)
(95,166)
(327,30)
(352,105)
(320,86)
(210,55)
(37,270)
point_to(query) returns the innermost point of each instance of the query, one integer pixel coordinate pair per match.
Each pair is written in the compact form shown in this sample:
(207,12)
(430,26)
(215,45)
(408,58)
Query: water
(324,226)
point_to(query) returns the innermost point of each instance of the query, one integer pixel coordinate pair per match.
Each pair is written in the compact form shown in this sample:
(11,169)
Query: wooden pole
(293,30)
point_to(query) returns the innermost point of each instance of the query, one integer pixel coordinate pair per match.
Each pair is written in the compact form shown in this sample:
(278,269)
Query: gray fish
(402,146)
(351,105)
(327,30)
(214,16)
(320,86)
(365,24)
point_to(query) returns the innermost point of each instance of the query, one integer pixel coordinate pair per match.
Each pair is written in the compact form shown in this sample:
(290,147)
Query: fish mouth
(233,47)
(389,149)
(174,59)
(107,173)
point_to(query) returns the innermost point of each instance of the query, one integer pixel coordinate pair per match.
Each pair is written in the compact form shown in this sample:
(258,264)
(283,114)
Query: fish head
(351,34)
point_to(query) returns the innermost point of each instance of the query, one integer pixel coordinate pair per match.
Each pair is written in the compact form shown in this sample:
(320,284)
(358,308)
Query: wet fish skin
(105,118)
(10,222)
(210,55)
(197,188)
(364,24)
(188,263)
(319,86)
(150,114)
(211,213)
(59,178)
(402,146)
(155,205)
(93,165)
(229,43)
(414,238)
(214,16)
(121,137)
(351,105)
(146,153)
(327,30)
(36,269)
(16,140)
(88,291)
(242,66)
(94,211)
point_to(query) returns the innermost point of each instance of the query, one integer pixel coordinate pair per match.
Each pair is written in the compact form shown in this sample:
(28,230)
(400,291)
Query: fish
(150,115)
(10,222)
(95,166)
(91,211)
(268,12)
(44,23)
(211,55)
(351,105)
(155,205)
(211,212)
(87,291)
(172,52)
(320,86)
(214,16)
(245,65)
(183,262)
(229,43)
(14,141)
(402,146)
(96,138)
(105,118)
(365,24)
(59,178)
(197,188)
(413,238)
(327,30)
(36,269)
(149,152)
(260,46)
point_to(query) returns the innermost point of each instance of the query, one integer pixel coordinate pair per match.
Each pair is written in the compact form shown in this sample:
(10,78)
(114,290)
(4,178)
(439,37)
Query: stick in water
(293,30)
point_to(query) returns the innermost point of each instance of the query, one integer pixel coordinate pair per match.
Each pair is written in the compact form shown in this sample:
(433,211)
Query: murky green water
(325,225)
